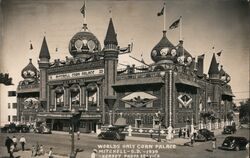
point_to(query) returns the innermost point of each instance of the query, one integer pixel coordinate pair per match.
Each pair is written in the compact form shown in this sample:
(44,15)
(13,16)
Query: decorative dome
(30,72)
(84,44)
(183,56)
(164,51)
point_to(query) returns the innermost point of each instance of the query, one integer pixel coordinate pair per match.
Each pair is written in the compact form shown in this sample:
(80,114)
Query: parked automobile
(113,133)
(234,143)
(204,135)
(22,128)
(43,129)
(9,128)
(229,130)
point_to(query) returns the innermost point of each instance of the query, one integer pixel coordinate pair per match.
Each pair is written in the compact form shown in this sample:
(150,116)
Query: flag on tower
(175,24)
(83,9)
(161,12)
(219,53)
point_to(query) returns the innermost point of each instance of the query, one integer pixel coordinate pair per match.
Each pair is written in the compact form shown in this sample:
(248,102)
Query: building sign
(78,74)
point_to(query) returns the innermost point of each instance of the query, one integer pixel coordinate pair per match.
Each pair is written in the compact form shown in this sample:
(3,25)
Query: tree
(245,111)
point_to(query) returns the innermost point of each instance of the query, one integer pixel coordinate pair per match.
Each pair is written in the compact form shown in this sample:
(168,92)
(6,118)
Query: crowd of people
(36,150)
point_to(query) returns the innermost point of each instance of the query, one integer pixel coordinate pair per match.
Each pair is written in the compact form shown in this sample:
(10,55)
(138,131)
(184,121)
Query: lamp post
(110,101)
(74,119)
(158,115)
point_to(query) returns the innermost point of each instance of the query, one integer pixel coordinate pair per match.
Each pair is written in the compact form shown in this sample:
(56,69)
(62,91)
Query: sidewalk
(26,154)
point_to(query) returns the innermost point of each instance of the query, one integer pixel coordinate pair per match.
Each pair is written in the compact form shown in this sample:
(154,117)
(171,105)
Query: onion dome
(84,44)
(164,51)
(183,56)
(30,72)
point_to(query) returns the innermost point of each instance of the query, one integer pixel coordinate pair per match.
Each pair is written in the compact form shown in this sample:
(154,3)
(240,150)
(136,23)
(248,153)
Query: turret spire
(111,35)
(213,69)
(44,52)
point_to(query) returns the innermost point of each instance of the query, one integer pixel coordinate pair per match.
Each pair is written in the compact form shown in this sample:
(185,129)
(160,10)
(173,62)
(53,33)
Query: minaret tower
(111,52)
(43,63)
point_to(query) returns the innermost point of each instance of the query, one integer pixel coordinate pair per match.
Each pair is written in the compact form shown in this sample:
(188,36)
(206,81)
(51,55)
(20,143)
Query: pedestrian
(192,140)
(41,151)
(188,133)
(14,139)
(8,143)
(78,135)
(184,133)
(37,148)
(23,142)
(180,132)
(50,152)
(12,151)
(93,154)
(247,148)
(33,151)
(213,144)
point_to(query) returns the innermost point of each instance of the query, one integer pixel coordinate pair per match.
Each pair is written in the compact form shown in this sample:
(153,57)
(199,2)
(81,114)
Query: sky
(222,24)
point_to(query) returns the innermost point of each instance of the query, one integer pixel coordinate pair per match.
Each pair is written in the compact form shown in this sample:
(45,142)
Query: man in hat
(8,143)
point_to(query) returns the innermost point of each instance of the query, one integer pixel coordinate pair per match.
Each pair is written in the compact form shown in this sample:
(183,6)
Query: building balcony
(28,88)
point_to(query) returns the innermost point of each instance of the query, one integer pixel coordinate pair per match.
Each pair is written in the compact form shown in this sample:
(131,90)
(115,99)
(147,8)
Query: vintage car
(229,130)
(42,129)
(22,128)
(204,135)
(234,143)
(113,133)
(9,128)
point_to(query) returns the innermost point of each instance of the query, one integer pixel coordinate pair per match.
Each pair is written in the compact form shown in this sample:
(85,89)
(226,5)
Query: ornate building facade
(172,91)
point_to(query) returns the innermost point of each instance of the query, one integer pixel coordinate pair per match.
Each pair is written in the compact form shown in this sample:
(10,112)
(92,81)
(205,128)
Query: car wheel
(117,137)
(100,136)
(237,148)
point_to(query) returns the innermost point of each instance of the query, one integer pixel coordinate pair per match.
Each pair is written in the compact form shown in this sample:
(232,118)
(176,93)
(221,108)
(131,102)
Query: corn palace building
(172,91)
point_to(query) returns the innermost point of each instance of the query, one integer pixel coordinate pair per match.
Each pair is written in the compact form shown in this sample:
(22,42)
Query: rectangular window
(14,118)
(8,105)
(9,118)
(14,105)
(11,93)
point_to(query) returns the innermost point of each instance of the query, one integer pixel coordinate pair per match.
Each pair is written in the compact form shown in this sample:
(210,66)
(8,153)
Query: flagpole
(180,28)
(164,16)
(84,16)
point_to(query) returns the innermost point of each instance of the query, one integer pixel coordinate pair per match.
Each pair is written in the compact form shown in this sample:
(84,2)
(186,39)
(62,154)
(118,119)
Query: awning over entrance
(68,116)
(186,82)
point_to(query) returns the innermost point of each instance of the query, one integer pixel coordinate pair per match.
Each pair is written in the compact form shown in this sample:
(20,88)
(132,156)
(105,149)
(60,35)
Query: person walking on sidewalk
(51,153)
(23,142)
(213,144)
(8,143)
(14,139)
(180,132)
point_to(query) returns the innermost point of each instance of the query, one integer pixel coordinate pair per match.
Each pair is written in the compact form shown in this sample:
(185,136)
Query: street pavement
(61,143)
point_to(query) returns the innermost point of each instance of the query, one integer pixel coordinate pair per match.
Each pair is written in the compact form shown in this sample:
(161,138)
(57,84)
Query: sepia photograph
(124,78)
